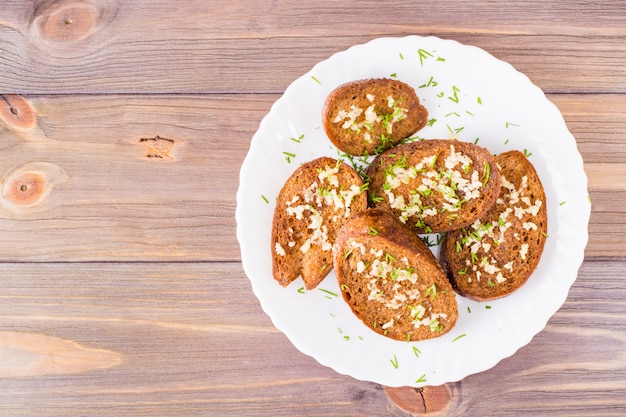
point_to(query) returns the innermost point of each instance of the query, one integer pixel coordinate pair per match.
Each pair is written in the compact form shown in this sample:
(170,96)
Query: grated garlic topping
(400,281)
(279,250)
(487,235)
(325,192)
(370,117)
(451,183)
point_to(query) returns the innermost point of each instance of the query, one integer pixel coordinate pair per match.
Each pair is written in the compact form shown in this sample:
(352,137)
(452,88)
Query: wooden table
(123,125)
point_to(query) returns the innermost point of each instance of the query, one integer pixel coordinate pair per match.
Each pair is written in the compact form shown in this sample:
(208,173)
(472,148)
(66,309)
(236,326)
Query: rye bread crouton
(434,185)
(496,255)
(310,209)
(391,280)
(365,117)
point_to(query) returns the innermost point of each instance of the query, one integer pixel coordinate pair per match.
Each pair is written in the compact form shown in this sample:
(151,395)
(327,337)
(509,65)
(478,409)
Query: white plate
(472,96)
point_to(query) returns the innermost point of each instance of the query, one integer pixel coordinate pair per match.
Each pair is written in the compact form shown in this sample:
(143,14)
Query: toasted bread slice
(435,185)
(391,280)
(311,207)
(497,254)
(366,117)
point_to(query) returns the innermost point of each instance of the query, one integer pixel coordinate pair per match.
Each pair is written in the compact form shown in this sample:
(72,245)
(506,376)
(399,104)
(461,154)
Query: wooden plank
(191,338)
(215,66)
(119,199)
(127,47)
(154,340)
(115,202)
(598,124)
(251,19)
(606,176)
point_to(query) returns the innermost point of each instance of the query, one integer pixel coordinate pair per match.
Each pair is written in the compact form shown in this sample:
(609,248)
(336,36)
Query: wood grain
(175,345)
(121,46)
(170,341)
(123,125)
(35,355)
(120,203)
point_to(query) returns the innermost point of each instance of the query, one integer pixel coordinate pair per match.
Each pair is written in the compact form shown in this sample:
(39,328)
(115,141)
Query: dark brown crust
(513,166)
(355,93)
(412,153)
(379,230)
(316,263)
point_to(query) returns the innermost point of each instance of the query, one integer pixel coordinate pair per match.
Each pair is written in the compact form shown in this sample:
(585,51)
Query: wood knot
(28,185)
(16,112)
(420,401)
(25,189)
(68,20)
(158,147)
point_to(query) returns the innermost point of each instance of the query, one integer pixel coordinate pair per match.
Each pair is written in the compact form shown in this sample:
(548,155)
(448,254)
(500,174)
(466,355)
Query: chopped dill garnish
(431,291)
(458,337)
(423,54)
(454,96)
(416,351)
(394,361)
(426,240)
(288,156)
(486,173)
(431,83)
(329,292)
(298,139)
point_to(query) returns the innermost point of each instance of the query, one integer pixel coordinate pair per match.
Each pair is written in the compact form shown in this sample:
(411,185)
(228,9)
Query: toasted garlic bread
(366,117)
(496,255)
(311,207)
(434,185)
(391,280)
